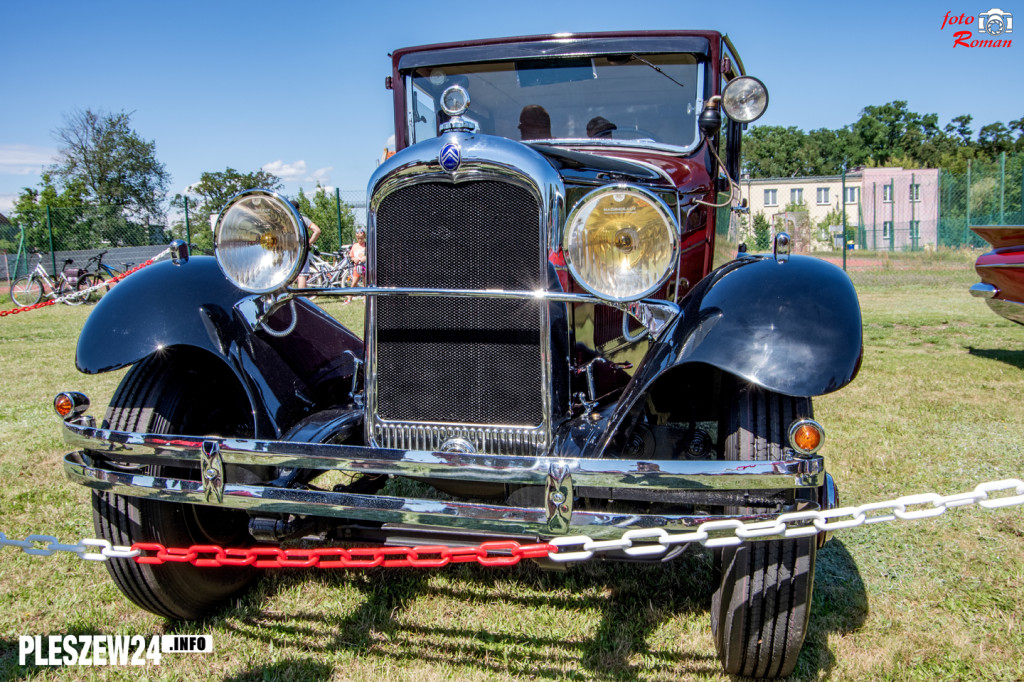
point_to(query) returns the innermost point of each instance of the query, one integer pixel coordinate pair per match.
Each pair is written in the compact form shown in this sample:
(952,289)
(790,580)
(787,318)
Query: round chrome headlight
(621,243)
(260,241)
(744,99)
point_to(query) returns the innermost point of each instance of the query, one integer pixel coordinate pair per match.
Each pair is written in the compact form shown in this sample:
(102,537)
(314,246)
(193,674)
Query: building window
(822,195)
(915,192)
(887,193)
(771,197)
(796,196)
(887,229)
(852,195)
(915,229)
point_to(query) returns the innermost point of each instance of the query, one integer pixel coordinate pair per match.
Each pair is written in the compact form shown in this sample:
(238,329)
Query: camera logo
(995,22)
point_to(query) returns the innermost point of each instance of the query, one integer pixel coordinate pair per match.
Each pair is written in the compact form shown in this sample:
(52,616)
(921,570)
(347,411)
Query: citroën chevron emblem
(450,157)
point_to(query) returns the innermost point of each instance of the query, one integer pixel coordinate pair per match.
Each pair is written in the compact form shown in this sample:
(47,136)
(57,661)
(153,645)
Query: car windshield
(611,99)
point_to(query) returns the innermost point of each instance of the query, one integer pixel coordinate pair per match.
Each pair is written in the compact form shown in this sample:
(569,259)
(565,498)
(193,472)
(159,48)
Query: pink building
(899,208)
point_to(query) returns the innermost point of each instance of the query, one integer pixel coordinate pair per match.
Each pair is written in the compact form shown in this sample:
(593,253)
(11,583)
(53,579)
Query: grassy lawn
(938,406)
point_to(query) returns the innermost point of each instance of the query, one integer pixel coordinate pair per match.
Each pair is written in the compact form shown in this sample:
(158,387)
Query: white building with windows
(895,208)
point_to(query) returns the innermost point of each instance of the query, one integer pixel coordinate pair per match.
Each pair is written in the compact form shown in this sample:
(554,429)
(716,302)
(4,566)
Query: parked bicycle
(70,285)
(103,273)
(324,273)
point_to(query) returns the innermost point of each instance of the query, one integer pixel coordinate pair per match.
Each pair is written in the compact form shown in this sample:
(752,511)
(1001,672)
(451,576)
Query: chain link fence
(983,193)
(50,234)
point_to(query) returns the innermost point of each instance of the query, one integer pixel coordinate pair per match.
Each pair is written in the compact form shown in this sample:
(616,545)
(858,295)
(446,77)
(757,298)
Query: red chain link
(43,304)
(424,556)
(15,311)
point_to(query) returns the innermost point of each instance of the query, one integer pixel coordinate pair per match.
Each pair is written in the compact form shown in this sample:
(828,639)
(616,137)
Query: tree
(68,205)
(773,151)
(994,139)
(208,197)
(892,130)
(114,166)
(762,232)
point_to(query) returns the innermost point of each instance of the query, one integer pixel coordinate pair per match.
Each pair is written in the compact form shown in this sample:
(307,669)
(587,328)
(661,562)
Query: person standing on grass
(357,254)
(314,233)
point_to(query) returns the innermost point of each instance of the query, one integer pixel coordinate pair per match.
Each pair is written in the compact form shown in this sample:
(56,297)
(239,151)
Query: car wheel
(26,290)
(760,610)
(161,396)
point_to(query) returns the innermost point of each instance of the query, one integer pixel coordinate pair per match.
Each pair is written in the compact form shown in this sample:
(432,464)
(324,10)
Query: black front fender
(792,327)
(160,306)
(192,306)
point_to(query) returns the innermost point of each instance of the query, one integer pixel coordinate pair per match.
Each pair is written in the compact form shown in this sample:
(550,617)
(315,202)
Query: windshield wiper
(656,68)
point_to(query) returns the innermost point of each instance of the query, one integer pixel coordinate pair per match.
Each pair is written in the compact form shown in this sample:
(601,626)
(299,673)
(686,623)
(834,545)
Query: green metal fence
(983,193)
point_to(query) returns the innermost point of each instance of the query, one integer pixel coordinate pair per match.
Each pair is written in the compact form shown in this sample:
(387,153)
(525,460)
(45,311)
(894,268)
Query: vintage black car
(547,351)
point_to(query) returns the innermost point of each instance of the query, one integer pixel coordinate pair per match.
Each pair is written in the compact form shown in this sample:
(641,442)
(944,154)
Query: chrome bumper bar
(558,475)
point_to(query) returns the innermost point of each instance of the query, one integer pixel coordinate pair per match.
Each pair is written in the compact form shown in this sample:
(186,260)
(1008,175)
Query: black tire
(760,610)
(26,290)
(94,280)
(162,396)
(86,282)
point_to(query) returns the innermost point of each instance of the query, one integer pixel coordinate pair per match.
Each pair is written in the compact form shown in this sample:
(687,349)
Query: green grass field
(938,407)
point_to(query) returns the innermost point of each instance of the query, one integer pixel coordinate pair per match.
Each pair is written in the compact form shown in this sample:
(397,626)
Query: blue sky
(298,88)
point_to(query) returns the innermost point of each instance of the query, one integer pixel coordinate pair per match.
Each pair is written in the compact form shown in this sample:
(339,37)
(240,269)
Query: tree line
(107,187)
(886,135)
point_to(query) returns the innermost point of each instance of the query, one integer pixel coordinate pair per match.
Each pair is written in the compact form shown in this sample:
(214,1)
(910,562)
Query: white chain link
(658,541)
(83,293)
(792,525)
(108,551)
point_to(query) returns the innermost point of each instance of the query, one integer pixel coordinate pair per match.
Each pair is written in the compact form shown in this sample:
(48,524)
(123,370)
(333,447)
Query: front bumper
(111,461)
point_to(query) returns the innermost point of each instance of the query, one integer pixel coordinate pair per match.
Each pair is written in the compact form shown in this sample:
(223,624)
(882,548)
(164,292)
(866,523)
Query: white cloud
(297,172)
(24,159)
(321,175)
(288,172)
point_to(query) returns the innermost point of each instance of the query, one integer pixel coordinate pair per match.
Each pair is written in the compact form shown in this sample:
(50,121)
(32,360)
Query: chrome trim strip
(999,265)
(982,290)
(509,440)
(421,512)
(557,296)
(791,472)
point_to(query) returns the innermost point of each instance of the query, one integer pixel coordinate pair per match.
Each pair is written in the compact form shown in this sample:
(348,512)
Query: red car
(1002,271)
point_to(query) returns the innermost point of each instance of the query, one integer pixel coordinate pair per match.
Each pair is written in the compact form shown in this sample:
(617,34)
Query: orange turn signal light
(806,436)
(70,403)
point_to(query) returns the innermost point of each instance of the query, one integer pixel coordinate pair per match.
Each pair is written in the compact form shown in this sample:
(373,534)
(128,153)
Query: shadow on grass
(630,601)
(1014,358)
(840,606)
(9,668)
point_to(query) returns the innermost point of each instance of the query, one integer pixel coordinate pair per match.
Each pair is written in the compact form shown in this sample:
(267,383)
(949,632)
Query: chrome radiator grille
(451,362)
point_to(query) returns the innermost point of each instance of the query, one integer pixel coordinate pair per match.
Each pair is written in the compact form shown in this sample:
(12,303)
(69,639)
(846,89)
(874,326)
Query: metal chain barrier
(85,292)
(635,543)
